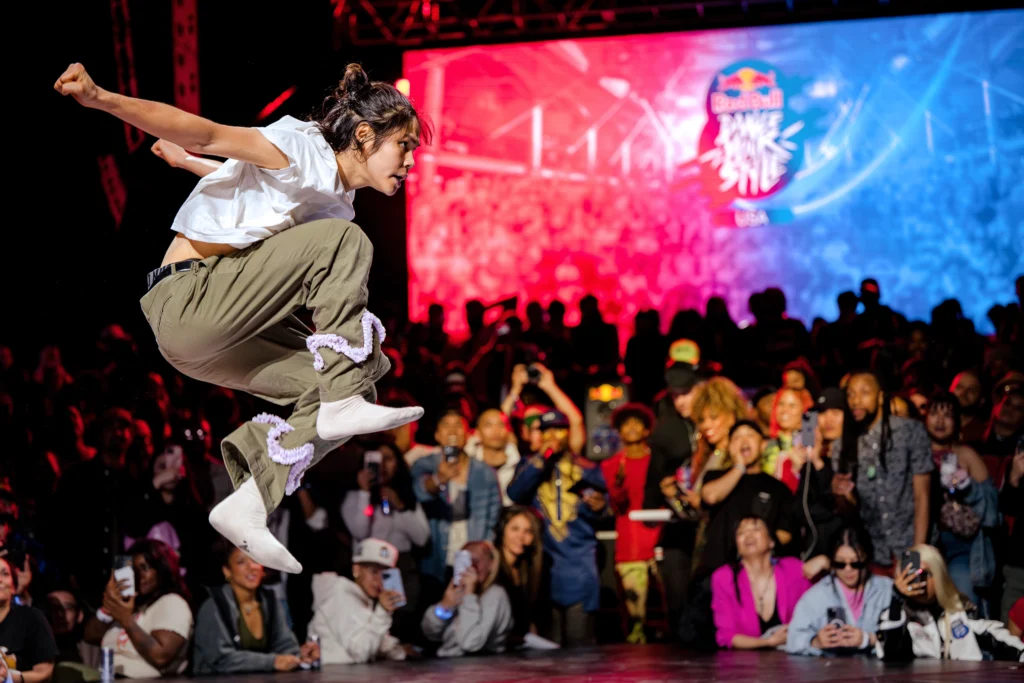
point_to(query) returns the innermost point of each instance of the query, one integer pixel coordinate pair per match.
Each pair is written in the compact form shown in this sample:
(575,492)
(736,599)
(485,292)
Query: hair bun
(354,80)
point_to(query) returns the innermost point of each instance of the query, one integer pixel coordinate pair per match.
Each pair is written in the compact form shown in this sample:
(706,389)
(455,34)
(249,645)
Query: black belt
(153,277)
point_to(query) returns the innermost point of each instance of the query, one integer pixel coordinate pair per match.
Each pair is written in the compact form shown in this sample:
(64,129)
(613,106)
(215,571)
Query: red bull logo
(749,147)
(756,90)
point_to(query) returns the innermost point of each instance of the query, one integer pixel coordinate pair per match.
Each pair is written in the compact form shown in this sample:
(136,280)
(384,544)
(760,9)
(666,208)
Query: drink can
(107,665)
(315,639)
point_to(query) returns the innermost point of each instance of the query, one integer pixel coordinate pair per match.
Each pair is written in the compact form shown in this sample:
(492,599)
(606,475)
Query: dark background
(68,270)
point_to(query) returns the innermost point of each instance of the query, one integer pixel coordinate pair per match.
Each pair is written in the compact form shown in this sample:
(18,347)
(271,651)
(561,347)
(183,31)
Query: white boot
(242,519)
(352,416)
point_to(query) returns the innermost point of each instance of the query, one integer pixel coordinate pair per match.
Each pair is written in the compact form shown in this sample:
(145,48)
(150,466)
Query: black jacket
(671,446)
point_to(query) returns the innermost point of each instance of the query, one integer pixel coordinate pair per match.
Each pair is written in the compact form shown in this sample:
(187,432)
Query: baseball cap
(682,377)
(830,399)
(684,351)
(375,551)
(554,419)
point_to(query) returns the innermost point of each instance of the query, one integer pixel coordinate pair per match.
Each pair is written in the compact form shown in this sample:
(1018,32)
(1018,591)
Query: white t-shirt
(169,613)
(240,203)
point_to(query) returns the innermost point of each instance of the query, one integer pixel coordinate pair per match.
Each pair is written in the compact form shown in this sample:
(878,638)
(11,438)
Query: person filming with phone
(539,376)
(839,614)
(353,617)
(145,618)
(475,614)
(460,497)
(927,617)
(385,507)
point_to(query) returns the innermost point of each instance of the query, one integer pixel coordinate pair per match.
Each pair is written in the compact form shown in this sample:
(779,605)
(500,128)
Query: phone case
(393,582)
(126,574)
(463,561)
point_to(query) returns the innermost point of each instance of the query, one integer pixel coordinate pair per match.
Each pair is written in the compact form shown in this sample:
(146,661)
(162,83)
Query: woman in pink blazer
(753,599)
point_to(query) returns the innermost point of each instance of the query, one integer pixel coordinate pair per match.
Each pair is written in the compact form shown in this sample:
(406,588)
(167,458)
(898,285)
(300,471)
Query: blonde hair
(945,590)
(722,396)
(485,582)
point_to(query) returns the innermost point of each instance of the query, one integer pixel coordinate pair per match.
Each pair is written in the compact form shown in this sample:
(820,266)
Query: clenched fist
(77,82)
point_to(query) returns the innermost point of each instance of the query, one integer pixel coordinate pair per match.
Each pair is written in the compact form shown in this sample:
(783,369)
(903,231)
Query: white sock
(354,415)
(242,519)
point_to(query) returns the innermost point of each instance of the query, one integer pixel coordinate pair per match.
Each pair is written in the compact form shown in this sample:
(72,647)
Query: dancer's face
(388,167)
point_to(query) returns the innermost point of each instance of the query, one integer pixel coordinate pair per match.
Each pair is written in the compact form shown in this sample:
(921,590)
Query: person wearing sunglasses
(839,615)
(929,619)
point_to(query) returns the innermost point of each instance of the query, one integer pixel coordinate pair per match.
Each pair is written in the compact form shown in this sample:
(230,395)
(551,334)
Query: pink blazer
(734,616)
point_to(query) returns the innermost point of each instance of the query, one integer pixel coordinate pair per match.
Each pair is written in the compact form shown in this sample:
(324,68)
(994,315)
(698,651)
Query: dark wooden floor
(650,664)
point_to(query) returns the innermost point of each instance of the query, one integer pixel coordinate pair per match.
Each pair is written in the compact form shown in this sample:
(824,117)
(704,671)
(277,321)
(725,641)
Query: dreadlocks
(852,430)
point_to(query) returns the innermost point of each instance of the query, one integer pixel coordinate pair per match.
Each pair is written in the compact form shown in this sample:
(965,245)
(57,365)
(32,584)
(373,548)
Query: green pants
(230,321)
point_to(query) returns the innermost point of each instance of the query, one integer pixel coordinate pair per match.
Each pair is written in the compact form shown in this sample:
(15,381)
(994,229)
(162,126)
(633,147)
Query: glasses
(853,565)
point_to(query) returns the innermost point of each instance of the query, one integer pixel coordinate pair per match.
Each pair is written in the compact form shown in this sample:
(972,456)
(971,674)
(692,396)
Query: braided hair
(357,100)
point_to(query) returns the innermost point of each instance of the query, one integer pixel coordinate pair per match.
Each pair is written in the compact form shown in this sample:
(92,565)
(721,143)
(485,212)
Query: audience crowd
(848,488)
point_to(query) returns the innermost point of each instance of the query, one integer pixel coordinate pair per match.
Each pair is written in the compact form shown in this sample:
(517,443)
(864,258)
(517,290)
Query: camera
(533,374)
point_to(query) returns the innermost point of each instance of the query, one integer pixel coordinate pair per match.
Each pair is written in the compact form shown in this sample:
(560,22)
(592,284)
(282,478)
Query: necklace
(761,591)
(248,609)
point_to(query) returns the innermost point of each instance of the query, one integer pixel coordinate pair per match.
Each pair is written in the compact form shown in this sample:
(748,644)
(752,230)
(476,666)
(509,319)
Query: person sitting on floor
(353,617)
(753,598)
(839,614)
(474,615)
(929,619)
(241,627)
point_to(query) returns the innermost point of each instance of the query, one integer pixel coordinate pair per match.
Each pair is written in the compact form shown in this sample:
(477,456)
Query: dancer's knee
(349,237)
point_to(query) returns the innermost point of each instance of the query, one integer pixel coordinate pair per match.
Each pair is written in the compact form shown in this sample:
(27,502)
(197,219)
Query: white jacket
(906,633)
(480,624)
(352,629)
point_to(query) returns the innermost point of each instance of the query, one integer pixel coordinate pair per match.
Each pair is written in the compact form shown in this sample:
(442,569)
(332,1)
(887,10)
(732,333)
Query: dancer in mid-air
(262,235)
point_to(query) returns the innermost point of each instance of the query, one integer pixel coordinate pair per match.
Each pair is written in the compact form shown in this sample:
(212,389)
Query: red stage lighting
(276,102)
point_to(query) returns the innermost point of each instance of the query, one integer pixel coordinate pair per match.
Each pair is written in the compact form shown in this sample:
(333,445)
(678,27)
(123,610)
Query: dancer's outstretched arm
(177,157)
(164,121)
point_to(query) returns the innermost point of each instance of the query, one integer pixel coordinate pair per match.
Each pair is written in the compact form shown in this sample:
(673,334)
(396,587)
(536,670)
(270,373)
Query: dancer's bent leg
(275,366)
(323,266)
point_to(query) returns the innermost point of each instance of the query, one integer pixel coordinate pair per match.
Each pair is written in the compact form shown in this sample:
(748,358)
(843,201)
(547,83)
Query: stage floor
(651,664)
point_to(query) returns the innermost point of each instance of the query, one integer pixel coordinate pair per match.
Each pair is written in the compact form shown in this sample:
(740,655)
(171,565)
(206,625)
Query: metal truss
(418,23)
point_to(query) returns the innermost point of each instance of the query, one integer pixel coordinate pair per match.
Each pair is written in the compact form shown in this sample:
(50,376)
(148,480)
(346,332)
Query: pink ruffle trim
(339,344)
(299,458)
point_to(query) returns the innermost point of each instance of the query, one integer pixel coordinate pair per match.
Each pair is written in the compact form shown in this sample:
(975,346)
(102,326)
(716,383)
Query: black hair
(857,539)
(761,393)
(746,423)
(359,100)
(849,455)
(632,410)
(946,398)
(401,482)
(222,551)
(164,560)
(734,551)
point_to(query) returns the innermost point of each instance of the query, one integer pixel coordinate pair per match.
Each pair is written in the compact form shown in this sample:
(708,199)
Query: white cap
(375,551)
